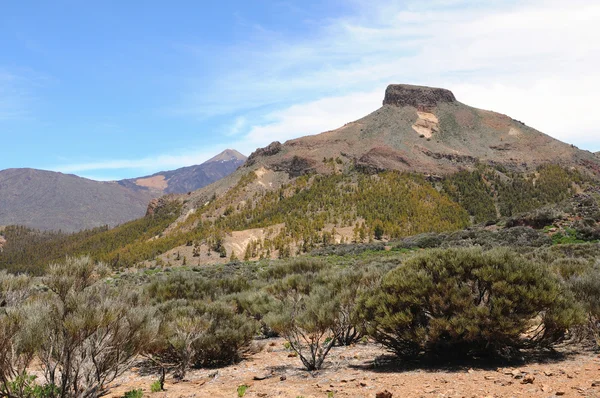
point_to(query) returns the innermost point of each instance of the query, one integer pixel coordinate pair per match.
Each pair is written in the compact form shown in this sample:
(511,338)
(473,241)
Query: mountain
(190,178)
(48,200)
(425,130)
(51,201)
(423,163)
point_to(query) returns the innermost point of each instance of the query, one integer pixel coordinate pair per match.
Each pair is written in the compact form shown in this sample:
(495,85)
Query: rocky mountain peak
(420,97)
(226,156)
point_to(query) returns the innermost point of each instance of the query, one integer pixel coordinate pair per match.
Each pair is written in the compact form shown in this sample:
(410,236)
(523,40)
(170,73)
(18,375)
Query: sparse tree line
(387,205)
(82,326)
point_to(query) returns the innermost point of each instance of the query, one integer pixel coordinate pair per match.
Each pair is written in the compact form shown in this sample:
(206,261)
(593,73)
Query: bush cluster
(466,301)
(443,302)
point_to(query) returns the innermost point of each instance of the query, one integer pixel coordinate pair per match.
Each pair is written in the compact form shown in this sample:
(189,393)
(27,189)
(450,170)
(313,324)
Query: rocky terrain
(55,201)
(365,370)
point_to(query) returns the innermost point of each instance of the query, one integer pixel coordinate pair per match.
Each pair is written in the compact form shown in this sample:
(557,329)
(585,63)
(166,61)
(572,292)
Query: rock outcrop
(272,149)
(158,203)
(420,97)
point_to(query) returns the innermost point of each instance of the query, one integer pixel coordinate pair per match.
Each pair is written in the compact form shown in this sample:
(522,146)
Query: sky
(120,89)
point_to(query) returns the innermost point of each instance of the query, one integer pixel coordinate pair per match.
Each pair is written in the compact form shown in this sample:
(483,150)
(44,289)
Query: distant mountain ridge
(50,200)
(189,178)
(55,201)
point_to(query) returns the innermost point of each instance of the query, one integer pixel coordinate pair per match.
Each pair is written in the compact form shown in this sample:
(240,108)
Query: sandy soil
(364,370)
(157,182)
(426,124)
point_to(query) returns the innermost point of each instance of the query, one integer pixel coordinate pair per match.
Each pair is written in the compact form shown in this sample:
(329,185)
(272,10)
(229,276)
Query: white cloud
(314,117)
(138,167)
(238,126)
(12,96)
(538,61)
(535,60)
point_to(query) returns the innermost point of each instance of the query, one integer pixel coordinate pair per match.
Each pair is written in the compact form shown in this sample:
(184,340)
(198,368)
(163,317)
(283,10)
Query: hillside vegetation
(441,303)
(388,205)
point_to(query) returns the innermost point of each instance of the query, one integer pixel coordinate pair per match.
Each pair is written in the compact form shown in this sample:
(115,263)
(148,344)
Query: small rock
(262,377)
(383,394)
(548,373)
(283,378)
(362,384)
(528,379)
(546,388)
(559,393)
(596,383)
(517,374)
(470,371)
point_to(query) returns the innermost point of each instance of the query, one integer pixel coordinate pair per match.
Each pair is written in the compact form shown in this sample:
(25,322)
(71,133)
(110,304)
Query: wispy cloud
(535,60)
(140,166)
(13,97)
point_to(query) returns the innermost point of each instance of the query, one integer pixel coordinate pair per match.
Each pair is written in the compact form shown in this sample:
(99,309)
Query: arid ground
(364,370)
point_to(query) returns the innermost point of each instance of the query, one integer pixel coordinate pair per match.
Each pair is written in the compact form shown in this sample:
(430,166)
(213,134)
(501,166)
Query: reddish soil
(364,370)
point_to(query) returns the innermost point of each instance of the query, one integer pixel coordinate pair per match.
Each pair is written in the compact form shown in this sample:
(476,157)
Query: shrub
(586,288)
(92,332)
(307,319)
(157,386)
(25,386)
(17,342)
(134,394)
(465,301)
(346,286)
(241,390)
(201,335)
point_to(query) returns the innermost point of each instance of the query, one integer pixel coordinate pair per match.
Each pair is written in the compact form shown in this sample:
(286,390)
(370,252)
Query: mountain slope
(190,178)
(54,201)
(49,200)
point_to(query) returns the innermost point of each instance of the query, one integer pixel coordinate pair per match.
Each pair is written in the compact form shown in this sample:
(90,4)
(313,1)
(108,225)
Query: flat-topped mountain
(425,130)
(55,201)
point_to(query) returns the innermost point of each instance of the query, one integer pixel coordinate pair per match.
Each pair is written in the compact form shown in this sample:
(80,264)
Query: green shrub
(156,386)
(241,390)
(24,386)
(307,319)
(201,335)
(134,394)
(586,288)
(92,331)
(465,301)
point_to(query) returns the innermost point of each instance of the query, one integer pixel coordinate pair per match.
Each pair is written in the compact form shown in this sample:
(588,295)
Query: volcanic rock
(420,97)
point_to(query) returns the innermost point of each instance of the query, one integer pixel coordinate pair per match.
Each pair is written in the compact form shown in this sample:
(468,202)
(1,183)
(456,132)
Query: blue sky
(116,89)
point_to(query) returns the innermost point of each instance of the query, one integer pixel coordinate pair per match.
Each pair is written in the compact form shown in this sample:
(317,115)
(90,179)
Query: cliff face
(419,97)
